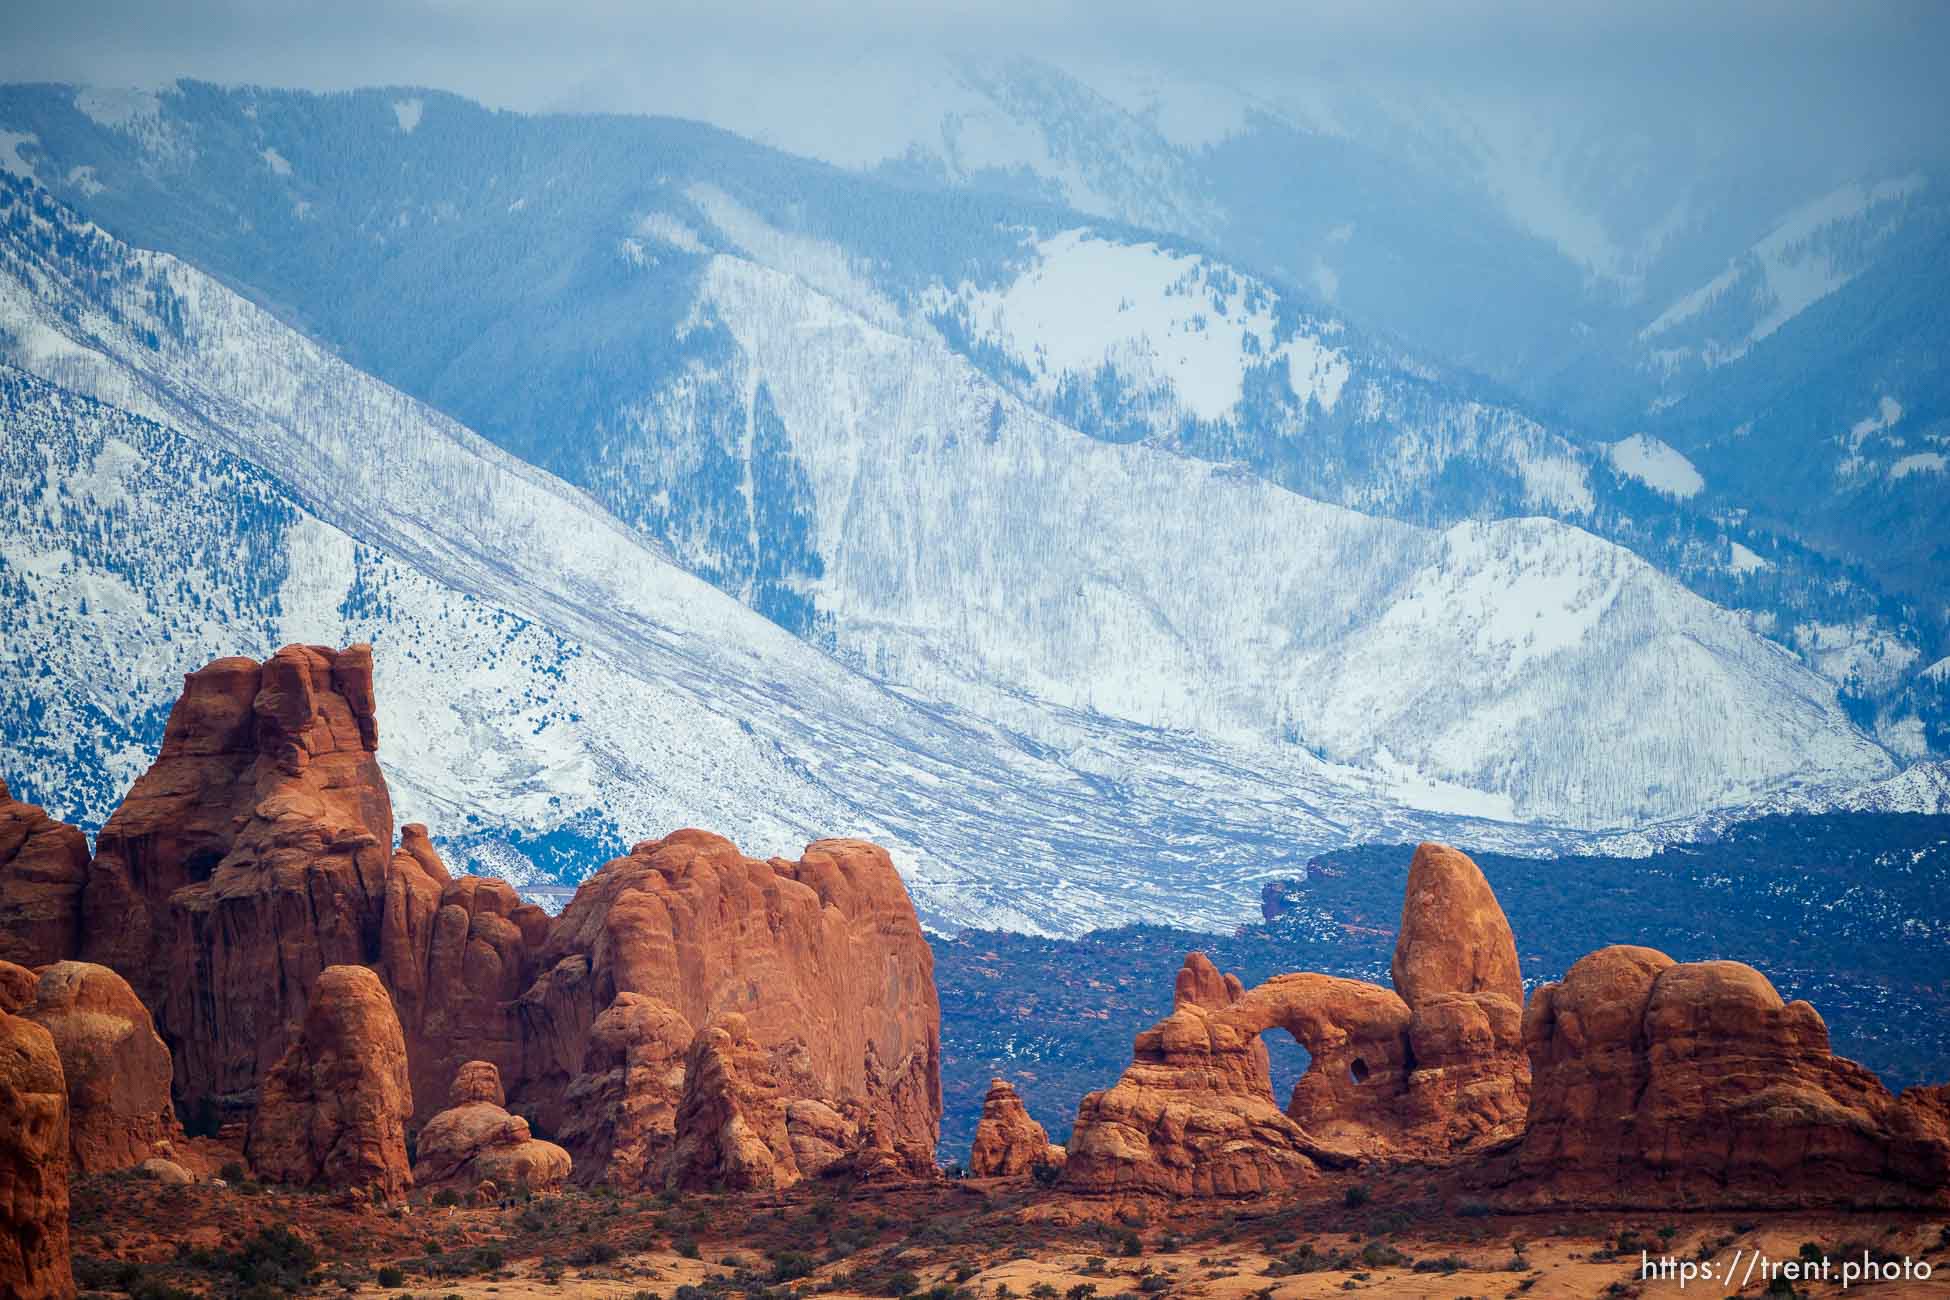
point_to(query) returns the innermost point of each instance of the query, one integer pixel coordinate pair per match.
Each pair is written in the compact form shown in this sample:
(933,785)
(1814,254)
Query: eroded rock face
(1007,1141)
(1429,1078)
(117,1069)
(476,1141)
(477,1081)
(1665,1084)
(257,852)
(43,865)
(457,955)
(1454,937)
(17,987)
(333,1110)
(621,1110)
(823,959)
(1194,1114)
(731,1123)
(249,858)
(34,1259)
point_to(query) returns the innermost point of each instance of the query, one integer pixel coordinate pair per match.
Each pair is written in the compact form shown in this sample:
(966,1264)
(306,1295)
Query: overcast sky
(1834,78)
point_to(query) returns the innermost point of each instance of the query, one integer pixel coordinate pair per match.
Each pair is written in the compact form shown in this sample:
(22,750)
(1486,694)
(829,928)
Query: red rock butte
(258,852)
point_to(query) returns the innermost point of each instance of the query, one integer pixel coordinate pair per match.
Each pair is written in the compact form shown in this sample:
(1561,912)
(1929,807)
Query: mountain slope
(1111,578)
(536,277)
(543,668)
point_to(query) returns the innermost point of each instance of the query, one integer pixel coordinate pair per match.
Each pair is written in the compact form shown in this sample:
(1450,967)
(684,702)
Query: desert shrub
(445,1197)
(1357,1196)
(790,1265)
(391,1277)
(1379,1254)
(901,1283)
(687,1247)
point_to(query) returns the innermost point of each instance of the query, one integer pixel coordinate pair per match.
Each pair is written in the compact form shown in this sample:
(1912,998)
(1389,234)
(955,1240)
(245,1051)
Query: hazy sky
(1832,78)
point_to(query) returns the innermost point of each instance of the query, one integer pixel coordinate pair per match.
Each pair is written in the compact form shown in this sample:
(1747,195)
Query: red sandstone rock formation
(43,864)
(1667,1085)
(823,958)
(476,1140)
(117,1069)
(34,1260)
(333,1110)
(249,858)
(621,1110)
(1454,937)
(1194,1114)
(1427,1080)
(257,852)
(731,1122)
(457,954)
(17,987)
(1007,1141)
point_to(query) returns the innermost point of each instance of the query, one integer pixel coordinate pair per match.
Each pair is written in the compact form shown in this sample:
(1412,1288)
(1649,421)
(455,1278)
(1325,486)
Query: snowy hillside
(540,666)
(1813,252)
(970,548)
(537,279)
(1921,789)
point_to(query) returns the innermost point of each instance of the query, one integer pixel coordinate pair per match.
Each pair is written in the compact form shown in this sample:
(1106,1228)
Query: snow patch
(407,113)
(665,228)
(825,266)
(1742,559)
(276,162)
(118,110)
(1657,465)
(1156,316)
(1923,462)
(1787,271)
(10,159)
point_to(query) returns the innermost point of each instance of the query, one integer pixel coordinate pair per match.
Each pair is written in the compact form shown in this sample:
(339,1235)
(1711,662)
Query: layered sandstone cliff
(34,1256)
(332,1112)
(257,852)
(823,959)
(1666,1084)
(456,953)
(252,855)
(43,864)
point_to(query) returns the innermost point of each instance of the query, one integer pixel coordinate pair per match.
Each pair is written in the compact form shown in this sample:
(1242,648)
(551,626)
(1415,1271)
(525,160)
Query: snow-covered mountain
(1122,580)
(542,669)
(536,278)
(1812,253)
(973,553)
(1608,262)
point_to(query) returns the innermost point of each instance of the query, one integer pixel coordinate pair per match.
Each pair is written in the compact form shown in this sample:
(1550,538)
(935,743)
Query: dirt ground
(967,1240)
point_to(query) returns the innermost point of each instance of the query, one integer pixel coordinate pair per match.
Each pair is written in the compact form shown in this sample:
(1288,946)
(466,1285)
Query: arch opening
(1286,1061)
